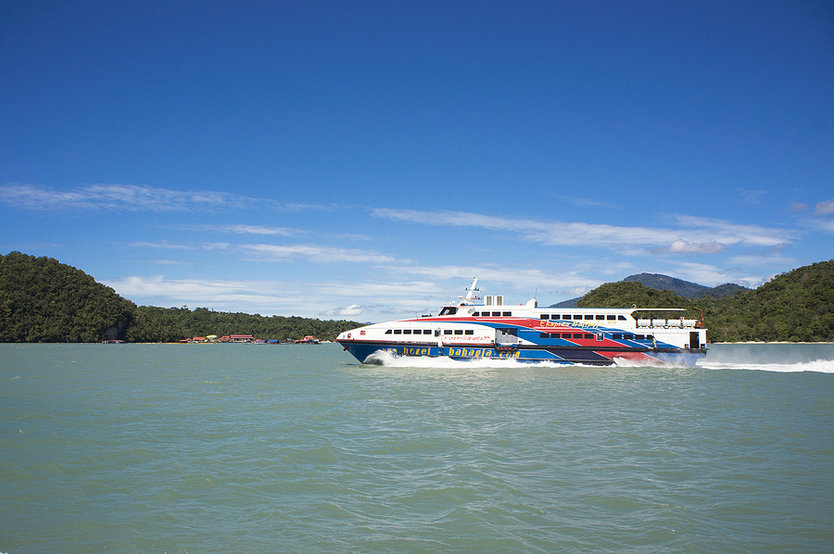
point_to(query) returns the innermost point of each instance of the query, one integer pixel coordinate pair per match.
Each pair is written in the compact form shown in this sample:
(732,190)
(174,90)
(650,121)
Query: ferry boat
(475,328)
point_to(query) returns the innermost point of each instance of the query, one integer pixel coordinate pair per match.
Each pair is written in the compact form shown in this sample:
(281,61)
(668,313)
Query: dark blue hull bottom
(567,356)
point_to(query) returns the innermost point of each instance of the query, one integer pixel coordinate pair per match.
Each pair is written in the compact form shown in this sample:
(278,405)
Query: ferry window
(476,314)
(621,318)
(589,316)
(388,331)
(406,331)
(469,332)
(544,335)
(496,314)
(640,337)
(447,331)
(611,317)
(628,336)
(449,310)
(589,336)
(544,316)
(600,317)
(507,314)
(577,335)
(458,331)
(398,331)
(617,336)
(427,331)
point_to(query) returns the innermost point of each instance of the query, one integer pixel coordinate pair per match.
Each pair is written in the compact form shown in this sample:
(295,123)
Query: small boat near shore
(476,328)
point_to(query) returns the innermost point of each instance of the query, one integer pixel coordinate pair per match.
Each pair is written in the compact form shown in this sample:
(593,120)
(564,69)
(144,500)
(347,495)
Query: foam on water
(820,366)
(388,359)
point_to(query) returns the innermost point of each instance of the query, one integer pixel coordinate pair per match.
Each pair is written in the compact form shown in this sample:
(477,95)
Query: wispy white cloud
(368,299)
(281,253)
(346,311)
(826,225)
(581,201)
(697,234)
(185,289)
(820,219)
(725,232)
(315,253)
(116,197)
(826,207)
(823,219)
(523,278)
(686,247)
(752,260)
(250,296)
(555,233)
(163,244)
(711,275)
(243,229)
(750,196)
(168,261)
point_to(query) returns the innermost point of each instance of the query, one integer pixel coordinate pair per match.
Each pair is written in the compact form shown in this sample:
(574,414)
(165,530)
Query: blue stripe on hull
(558,355)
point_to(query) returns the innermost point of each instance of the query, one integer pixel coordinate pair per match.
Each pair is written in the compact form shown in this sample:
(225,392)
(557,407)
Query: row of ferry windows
(428,332)
(586,317)
(615,336)
(568,336)
(493,314)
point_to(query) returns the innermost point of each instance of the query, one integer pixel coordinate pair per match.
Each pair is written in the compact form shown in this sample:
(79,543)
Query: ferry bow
(472,328)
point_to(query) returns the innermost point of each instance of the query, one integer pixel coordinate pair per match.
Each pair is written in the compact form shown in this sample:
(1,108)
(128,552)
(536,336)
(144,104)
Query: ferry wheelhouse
(472,328)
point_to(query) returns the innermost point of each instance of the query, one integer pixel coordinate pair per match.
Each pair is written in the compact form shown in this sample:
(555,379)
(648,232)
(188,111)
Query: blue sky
(364,160)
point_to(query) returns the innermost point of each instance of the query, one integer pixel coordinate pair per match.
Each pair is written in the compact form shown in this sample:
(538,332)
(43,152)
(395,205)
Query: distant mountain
(683,288)
(680,287)
(569,303)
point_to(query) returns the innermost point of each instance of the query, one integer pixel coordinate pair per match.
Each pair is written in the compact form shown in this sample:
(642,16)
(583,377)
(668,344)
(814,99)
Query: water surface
(151,448)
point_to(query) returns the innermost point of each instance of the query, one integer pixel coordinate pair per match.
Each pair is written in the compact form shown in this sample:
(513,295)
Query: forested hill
(43,300)
(794,306)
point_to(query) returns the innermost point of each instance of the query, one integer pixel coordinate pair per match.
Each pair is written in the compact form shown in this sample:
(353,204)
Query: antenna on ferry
(470,293)
(472,288)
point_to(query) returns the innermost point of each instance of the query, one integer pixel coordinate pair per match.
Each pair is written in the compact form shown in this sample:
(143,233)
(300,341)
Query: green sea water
(257,448)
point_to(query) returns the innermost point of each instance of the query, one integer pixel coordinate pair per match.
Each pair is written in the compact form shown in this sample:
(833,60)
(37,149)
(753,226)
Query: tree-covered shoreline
(43,300)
